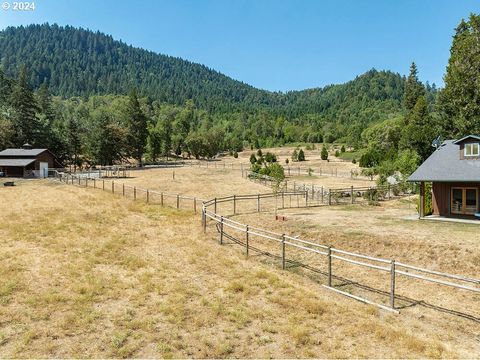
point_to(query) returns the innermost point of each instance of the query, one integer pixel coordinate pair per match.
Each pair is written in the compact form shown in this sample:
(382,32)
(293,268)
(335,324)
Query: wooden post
(178,201)
(215,206)
(123,189)
(422,199)
(234,205)
(134,193)
(94,185)
(313,192)
(392,284)
(103,184)
(322,194)
(258,203)
(329,196)
(283,200)
(86,182)
(221,230)
(194,205)
(283,252)
(306,198)
(329,266)
(336,172)
(113,187)
(79,180)
(289,171)
(351,193)
(388,191)
(246,238)
(204,218)
(161,198)
(148,196)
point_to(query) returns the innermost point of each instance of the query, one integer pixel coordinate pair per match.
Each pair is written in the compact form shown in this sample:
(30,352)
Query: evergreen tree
(301,155)
(413,89)
(138,133)
(324,153)
(460,99)
(26,123)
(74,142)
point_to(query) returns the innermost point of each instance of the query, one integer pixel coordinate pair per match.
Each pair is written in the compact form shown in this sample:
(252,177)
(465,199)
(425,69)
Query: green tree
(137,127)
(413,89)
(459,100)
(342,149)
(324,153)
(301,155)
(26,123)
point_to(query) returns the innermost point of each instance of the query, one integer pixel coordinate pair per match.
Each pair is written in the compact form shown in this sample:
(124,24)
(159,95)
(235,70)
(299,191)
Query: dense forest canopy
(95,100)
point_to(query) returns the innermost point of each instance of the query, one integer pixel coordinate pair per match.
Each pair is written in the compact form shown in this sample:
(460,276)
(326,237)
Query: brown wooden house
(27,162)
(454,171)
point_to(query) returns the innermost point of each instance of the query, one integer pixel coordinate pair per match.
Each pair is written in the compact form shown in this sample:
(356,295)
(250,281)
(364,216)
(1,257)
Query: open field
(109,277)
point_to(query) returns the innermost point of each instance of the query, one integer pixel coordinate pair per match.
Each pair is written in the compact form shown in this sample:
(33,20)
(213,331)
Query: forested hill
(77,62)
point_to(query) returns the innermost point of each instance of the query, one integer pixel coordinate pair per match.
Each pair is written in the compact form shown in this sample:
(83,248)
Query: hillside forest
(93,100)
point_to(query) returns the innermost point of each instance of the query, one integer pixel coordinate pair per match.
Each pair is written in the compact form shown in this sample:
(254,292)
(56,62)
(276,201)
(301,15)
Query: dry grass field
(89,274)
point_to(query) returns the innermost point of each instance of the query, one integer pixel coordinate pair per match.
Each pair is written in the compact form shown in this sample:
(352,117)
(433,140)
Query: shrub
(324,153)
(354,161)
(295,155)
(342,149)
(235,155)
(337,153)
(301,155)
(259,153)
(253,159)
(270,158)
(287,161)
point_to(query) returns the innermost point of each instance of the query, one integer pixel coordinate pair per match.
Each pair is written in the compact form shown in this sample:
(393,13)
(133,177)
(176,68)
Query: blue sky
(275,44)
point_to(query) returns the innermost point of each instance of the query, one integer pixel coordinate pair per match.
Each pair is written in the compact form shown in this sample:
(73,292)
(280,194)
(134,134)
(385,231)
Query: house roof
(16,162)
(475,137)
(445,165)
(21,152)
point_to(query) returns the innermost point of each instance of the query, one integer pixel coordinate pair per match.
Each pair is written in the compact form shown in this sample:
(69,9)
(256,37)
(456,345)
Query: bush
(270,158)
(354,161)
(337,153)
(287,161)
(295,155)
(301,155)
(235,155)
(259,153)
(324,153)
(342,149)
(253,159)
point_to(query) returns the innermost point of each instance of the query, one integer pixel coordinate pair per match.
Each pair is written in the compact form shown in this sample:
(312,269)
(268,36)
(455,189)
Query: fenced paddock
(385,283)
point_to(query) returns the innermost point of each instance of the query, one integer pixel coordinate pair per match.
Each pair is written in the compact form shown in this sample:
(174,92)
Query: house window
(472,149)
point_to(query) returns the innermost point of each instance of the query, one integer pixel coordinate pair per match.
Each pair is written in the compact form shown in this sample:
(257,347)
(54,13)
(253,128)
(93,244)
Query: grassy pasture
(88,274)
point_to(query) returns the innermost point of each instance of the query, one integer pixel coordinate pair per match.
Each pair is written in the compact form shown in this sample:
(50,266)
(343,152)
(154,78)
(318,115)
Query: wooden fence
(177,201)
(319,195)
(249,236)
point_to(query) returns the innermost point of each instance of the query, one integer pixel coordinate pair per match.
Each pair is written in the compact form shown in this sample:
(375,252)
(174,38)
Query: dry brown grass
(88,274)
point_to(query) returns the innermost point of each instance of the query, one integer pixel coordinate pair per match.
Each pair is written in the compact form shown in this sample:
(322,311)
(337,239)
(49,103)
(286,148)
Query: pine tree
(413,89)
(26,123)
(301,155)
(459,100)
(138,132)
(324,153)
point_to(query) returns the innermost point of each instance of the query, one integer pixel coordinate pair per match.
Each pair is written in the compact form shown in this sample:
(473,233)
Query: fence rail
(388,266)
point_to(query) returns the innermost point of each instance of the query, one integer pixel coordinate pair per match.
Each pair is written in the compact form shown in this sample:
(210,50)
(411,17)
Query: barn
(27,162)
(454,171)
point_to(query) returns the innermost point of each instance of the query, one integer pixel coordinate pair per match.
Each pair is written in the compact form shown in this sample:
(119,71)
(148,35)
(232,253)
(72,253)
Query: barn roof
(21,152)
(16,162)
(444,165)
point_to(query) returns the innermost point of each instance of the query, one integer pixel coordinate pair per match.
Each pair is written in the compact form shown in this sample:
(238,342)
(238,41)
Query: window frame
(472,146)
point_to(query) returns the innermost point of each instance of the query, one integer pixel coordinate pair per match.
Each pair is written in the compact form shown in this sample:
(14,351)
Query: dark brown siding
(46,156)
(441,196)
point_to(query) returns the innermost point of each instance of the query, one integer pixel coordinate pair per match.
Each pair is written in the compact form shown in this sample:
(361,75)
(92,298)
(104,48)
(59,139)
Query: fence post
(204,218)
(103,184)
(113,187)
(306,198)
(283,200)
(258,203)
(123,189)
(215,206)
(283,251)
(86,182)
(194,205)
(246,237)
(329,266)
(134,193)
(322,194)
(392,284)
(336,172)
(94,184)
(329,196)
(161,198)
(79,180)
(351,193)
(234,205)
(148,196)
(289,171)
(178,201)
(221,230)
(388,190)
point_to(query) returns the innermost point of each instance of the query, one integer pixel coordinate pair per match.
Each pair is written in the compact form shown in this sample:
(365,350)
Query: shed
(27,162)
